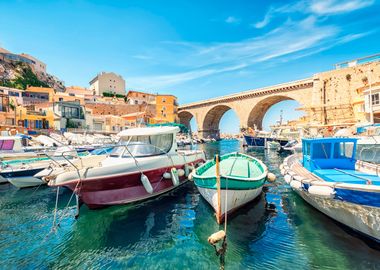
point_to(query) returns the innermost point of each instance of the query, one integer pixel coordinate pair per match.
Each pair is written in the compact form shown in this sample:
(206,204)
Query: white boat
(146,164)
(330,179)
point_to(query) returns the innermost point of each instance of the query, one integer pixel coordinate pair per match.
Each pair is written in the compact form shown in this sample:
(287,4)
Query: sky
(193,49)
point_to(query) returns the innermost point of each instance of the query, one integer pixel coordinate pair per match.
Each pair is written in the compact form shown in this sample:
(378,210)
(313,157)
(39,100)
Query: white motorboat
(146,164)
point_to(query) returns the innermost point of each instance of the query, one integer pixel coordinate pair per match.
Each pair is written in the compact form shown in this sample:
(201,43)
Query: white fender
(281,167)
(323,191)
(175,177)
(181,172)
(271,178)
(282,172)
(146,183)
(167,175)
(295,184)
(187,170)
(287,178)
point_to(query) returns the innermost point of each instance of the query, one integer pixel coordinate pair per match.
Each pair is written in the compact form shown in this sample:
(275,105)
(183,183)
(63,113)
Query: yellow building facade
(166,110)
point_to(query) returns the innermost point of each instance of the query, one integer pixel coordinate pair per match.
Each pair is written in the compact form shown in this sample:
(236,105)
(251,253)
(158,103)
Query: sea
(276,231)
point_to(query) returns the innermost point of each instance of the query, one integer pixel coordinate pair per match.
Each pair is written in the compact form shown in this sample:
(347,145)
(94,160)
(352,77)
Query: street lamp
(370,95)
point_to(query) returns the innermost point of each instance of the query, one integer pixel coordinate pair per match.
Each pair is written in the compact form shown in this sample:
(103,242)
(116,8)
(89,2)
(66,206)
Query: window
(142,146)
(375,99)
(321,150)
(163,100)
(6,144)
(60,99)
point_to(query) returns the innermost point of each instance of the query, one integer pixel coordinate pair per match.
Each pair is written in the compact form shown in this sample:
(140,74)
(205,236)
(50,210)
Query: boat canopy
(148,131)
(329,153)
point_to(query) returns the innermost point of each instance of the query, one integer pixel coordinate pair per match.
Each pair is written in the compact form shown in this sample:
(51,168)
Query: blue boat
(330,179)
(260,141)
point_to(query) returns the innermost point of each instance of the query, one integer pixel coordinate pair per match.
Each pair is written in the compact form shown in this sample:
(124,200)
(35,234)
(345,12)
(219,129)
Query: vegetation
(24,78)
(108,94)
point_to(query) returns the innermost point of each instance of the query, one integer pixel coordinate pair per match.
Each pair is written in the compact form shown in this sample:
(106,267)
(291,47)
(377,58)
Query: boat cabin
(11,144)
(329,153)
(144,142)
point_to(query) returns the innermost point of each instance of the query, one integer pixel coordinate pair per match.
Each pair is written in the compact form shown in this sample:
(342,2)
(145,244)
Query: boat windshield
(143,146)
(6,145)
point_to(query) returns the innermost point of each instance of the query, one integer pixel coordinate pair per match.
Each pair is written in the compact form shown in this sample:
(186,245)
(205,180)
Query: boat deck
(336,175)
(348,176)
(235,167)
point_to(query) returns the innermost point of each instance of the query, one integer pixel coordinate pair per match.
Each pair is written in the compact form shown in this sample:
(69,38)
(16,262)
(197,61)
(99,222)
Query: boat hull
(235,198)
(123,188)
(353,205)
(361,218)
(25,182)
(261,141)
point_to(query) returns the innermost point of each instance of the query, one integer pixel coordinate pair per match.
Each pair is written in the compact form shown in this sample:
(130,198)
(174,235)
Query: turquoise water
(172,231)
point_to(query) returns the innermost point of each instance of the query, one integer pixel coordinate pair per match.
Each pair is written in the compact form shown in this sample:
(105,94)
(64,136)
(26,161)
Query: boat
(330,179)
(272,145)
(144,165)
(21,175)
(230,183)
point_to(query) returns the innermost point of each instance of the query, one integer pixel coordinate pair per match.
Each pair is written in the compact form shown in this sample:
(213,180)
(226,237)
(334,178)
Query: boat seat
(347,176)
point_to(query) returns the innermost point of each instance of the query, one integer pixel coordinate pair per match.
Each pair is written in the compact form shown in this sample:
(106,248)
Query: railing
(358,61)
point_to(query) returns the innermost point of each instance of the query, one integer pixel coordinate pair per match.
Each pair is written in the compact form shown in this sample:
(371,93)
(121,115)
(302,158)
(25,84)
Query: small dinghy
(231,182)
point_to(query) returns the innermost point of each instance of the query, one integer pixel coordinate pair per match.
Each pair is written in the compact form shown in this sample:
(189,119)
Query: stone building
(107,82)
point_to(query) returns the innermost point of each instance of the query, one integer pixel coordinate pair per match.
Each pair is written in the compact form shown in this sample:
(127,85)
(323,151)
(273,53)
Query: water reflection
(172,231)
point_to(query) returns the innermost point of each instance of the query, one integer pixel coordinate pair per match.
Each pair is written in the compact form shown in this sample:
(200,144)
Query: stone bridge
(250,106)
(336,97)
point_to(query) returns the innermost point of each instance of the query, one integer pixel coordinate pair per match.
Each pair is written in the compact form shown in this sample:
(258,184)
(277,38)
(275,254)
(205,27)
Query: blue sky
(192,49)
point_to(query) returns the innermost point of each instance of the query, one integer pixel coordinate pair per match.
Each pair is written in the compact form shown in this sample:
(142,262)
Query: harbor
(134,135)
(174,228)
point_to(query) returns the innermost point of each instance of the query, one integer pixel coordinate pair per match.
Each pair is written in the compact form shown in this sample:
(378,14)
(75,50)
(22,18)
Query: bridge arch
(185,118)
(257,113)
(211,120)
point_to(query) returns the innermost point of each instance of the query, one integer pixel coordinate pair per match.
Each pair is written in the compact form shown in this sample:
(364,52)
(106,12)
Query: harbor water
(172,230)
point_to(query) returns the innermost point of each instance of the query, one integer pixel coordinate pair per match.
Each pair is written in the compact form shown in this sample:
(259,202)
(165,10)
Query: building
(166,109)
(69,115)
(7,112)
(37,65)
(35,116)
(107,82)
(139,98)
(34,95)
(372,103)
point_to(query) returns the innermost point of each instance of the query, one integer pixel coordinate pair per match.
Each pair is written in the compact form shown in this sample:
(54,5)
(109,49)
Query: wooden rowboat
(231,182)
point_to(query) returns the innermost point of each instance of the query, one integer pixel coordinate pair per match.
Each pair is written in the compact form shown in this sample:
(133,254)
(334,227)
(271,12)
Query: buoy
(167,175)
(287,178)
(281,167)
(282,172)
(146,183)
(322,191)
(216,237)
(181,172)
(295,184)
(175,178)
(271,177)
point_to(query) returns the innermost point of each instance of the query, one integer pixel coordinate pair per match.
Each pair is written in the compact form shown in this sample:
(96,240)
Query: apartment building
(107,82)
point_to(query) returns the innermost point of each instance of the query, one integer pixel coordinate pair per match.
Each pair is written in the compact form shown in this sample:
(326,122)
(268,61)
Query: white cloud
(265,21)
(314,7)
(232,20)
(292,40)
(328,7)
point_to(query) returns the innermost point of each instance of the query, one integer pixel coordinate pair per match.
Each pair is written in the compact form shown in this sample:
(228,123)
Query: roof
(148,131)
(329,140)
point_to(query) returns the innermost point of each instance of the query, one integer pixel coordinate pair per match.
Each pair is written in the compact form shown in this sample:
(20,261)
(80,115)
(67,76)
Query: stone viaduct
(327,98)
